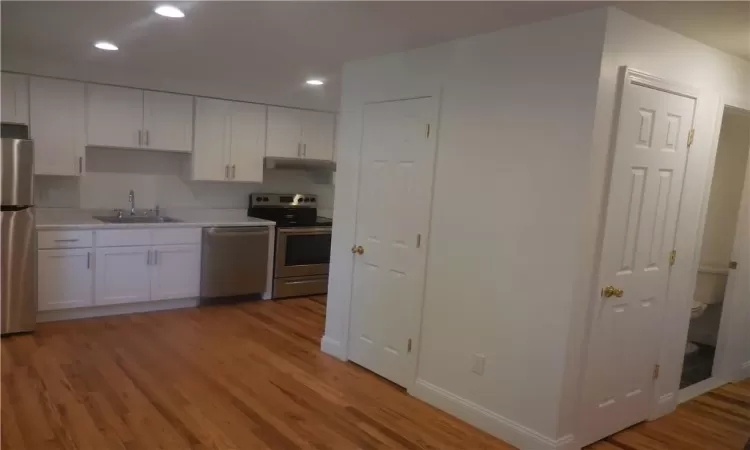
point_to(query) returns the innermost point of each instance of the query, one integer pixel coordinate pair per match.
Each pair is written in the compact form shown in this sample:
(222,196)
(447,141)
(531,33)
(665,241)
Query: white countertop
(69,218)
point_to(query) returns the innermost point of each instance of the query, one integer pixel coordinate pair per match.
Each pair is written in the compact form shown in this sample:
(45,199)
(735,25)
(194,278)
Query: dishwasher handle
(235,231)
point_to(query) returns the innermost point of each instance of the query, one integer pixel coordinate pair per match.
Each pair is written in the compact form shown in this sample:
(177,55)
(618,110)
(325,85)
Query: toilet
(710,285)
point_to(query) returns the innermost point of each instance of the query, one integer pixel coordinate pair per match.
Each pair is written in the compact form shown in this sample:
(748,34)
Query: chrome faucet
(131,199)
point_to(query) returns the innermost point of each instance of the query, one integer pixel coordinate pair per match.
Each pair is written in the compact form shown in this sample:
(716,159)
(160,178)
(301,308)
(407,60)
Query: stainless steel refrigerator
(18,253)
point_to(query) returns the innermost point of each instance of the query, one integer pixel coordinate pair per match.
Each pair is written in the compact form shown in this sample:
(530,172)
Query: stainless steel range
(303,242)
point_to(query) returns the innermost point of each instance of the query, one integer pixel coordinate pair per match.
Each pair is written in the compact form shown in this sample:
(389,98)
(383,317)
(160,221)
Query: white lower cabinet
(123,275)
(141,274)
(66,279)
(175,271)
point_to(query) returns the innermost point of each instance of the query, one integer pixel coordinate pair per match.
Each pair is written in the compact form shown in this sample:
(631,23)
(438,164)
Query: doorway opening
(715,264)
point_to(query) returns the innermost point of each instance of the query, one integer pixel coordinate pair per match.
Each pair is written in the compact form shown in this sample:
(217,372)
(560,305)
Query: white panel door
(58,126)
(15,98)
(248,141)
(212,133)
(167,121)
(66,279)
(175,271)
(644,199)
(284,137)
(393,210)
(317,135)
(123,275)
(114,116)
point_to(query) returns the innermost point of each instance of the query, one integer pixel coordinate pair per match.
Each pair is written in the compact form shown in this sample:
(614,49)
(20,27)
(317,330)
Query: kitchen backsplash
(163,178)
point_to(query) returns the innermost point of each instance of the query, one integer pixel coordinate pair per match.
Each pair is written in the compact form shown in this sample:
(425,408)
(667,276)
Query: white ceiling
(277,45)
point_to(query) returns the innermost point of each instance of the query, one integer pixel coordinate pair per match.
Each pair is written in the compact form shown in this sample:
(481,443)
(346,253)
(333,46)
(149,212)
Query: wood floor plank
(252,376)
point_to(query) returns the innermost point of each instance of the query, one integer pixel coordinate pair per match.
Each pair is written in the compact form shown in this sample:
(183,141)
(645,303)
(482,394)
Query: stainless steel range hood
(275,162)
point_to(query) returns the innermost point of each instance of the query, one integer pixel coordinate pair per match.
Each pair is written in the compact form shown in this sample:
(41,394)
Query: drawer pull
(67,240)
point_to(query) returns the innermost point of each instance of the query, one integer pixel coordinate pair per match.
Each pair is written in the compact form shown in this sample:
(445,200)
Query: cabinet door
(175,271)
(167,121)
(15,98)
(211,152)
(284,132)
(317,135)
(58,126)
(248,141)
(114,116)
(65,279)
(122,275)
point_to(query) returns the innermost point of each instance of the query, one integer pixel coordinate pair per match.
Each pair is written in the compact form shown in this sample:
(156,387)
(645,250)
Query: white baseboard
(114,310)
(333,348)
(666,404)
(699,388)
(745,371)
(489,421)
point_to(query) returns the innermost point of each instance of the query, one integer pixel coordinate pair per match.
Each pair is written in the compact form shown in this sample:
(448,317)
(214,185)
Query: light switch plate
(478,365)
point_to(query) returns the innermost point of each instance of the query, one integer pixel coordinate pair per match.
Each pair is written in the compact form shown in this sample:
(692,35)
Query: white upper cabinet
(248,141)
(211,152)
(167,121)
(132,118)
(294,133)
(15,98)
(317,135)
(58,126)
(284,132)
(230,140)
(114,116)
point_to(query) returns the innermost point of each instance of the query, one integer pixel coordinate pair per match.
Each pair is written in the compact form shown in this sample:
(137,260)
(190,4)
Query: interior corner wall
(517,109)
(720,77)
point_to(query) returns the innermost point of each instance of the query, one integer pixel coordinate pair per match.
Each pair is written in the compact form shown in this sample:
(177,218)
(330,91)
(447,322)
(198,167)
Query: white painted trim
(114,310)
(646,79)
(509,431)
(333,348)
(699,388)
(664,405)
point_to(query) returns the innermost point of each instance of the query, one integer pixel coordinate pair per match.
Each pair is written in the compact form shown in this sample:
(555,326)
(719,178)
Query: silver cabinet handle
(304,150)
(299,149)
(147,138)
(80,164)
(66,240)
(156,257)
(234,171)
(88,260)
(140,137)
(148,258)
(226,171)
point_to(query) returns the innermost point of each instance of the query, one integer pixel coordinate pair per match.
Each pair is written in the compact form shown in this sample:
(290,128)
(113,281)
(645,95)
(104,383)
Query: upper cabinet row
(228,139)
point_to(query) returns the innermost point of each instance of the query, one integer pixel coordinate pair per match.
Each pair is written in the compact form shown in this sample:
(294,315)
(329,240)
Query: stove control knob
(265,199)
(258,199)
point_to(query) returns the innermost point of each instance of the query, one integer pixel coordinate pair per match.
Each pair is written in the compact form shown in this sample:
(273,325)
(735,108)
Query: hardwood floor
(251,376)
(248,376)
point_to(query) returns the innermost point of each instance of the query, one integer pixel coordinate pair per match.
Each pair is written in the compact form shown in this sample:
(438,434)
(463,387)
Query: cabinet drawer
(176,236)
(65,239)
(121,238)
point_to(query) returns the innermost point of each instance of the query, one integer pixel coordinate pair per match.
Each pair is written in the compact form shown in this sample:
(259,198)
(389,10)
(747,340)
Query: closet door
(58,126)
(212,133)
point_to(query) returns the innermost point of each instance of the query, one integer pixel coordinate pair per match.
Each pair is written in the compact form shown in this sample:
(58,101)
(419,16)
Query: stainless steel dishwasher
(234,261)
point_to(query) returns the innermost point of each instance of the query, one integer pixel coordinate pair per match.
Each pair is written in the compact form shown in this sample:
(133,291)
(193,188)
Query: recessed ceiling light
(314,82)
(169,11)
(104,45)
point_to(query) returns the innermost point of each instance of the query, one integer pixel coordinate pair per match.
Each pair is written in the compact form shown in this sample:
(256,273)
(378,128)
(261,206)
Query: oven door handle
(304,231)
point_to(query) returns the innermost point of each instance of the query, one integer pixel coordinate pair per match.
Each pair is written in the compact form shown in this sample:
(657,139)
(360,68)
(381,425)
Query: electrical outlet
(478,364)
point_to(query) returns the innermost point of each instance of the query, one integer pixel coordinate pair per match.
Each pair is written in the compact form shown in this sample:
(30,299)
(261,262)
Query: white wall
(161,178)
(517,108)
(638,44)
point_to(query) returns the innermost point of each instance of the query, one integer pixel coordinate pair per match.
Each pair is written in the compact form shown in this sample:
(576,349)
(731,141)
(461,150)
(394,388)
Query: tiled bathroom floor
(697,366)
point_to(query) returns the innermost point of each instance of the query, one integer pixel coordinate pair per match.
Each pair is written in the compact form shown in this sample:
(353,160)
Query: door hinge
(408,347)
(672,257)
(428,131)
(691,134)
(657,368)
(732,264)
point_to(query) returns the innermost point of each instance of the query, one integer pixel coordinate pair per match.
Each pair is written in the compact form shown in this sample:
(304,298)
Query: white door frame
(434,120)
(727,365)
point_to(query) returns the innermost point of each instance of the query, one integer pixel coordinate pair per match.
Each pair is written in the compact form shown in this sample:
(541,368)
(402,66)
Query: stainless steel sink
(137,219)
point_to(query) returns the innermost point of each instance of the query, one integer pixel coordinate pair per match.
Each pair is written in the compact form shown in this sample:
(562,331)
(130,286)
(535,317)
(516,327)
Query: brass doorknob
(354,249)
(360,249)
(611,291)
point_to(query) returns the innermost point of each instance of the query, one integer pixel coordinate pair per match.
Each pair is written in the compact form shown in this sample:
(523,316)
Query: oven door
(303,251)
